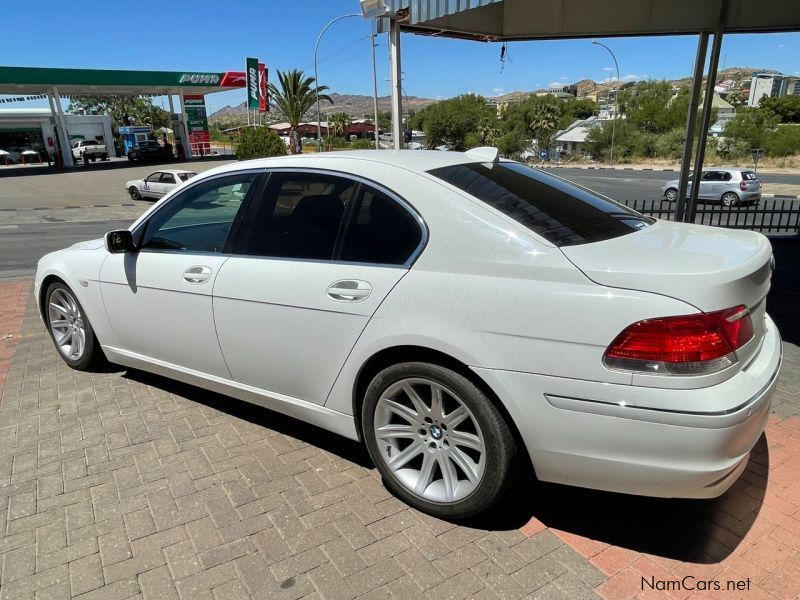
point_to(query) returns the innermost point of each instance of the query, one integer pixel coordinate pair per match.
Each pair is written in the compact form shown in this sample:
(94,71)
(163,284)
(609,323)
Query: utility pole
(375,93)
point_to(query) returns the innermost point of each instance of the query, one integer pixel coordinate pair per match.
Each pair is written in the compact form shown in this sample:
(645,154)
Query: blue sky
(206,35)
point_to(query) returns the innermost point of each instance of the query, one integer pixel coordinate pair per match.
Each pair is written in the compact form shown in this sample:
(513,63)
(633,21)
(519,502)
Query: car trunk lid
(707,267)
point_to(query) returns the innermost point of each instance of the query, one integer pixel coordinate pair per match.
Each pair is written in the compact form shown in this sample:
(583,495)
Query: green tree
(751,126)
(123,110)
(572,110)
(259,142)
(785,108)
(647,106)
(785,141)
(452,121)
(295,97)
(736,98)
(543,119)
(628,141)
(339,123)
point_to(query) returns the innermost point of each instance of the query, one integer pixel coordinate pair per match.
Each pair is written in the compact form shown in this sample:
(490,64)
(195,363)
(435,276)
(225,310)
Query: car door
(167,183)
(158,299)
(152,185)
(315,257)
(709,185)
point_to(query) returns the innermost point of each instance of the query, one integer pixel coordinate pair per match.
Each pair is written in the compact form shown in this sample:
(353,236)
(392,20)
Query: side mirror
(120,241)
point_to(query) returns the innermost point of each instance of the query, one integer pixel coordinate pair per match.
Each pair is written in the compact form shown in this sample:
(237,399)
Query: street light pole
(375,92)
(616,103)
(316,76)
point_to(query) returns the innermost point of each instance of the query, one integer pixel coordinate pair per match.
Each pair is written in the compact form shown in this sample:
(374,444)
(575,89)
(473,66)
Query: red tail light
(683,345)
(743,186)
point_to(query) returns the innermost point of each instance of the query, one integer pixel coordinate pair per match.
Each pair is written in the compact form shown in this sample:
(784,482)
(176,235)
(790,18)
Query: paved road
(644,185)
(21,246)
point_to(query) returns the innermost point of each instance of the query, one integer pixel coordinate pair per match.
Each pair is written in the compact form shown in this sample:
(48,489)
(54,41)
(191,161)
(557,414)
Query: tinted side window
(199,219)
(167,178)
(382,231)
(726,176)
(298,216)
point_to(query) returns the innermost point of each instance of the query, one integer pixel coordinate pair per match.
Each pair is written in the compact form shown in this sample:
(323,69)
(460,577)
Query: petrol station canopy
(94,82)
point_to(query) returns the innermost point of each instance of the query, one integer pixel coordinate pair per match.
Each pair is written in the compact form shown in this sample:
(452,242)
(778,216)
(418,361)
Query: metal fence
(771,216)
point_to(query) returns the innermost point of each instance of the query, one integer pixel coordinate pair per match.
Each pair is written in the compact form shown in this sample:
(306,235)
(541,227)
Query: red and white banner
(263,101)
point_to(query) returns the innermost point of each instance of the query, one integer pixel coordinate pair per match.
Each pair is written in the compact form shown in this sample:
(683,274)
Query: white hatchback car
(454,311)
(158,183)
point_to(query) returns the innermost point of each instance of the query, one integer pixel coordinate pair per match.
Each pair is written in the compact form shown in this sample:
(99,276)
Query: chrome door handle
(349,290)
(197,274)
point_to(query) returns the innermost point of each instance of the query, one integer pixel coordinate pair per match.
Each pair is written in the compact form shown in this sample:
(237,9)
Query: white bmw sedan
(158,183)
(455,312)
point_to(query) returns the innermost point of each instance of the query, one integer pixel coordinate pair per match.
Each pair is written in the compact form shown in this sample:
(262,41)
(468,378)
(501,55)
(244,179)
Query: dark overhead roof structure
(501,20)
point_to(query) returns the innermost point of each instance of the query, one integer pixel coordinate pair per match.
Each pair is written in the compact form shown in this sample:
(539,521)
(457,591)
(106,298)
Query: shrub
(259,142)
(363,144)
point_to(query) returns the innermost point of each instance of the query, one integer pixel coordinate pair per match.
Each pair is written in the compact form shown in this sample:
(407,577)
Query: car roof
(413,160)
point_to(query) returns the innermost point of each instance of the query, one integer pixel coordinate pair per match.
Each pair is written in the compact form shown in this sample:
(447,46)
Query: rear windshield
(562,213)
(749,176)
(185,176)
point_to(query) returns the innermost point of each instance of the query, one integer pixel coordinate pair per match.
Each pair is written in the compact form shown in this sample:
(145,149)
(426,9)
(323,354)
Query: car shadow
(782,299)
(258,415)
(684,530)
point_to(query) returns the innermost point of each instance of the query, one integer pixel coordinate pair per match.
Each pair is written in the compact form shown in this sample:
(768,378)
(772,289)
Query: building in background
(772,85)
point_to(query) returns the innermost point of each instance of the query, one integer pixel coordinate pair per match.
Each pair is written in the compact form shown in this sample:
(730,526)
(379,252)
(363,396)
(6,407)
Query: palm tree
(295,97)
(543,123)
(339,123)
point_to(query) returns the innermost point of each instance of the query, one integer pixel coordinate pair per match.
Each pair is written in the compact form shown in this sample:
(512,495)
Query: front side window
(562,213)
(381,232)
(298,216)
(153,177)
(200,218)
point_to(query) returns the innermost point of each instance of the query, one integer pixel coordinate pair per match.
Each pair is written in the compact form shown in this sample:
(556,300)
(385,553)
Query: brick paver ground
(125,485)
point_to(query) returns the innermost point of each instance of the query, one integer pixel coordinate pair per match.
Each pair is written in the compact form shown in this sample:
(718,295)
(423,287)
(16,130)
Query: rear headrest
(319,206)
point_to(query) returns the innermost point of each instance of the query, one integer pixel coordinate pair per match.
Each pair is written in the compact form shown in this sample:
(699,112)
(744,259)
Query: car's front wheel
(439,443)
(730,199)
(70,328)
(134,192)
(671,195)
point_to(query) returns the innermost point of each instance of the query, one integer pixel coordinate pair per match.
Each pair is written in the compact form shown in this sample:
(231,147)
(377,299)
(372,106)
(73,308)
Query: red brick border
(766,550)
(14,296)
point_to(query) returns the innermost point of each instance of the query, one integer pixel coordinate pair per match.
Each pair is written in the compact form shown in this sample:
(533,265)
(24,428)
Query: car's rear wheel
(134,192)
(730,199)
(70,328)
(439,443)
(671,194)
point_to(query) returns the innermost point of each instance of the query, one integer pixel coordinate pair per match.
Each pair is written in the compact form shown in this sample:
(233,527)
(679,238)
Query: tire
(104,157)
(476,450)
(131,157)
(134,193)
(730,199)
(671,195)
(89,355)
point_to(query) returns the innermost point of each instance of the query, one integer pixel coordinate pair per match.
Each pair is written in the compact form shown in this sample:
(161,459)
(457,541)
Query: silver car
(732,187)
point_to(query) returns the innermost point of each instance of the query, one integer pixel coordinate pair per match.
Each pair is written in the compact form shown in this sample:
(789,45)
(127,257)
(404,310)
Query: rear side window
(298,216)
(562,213)
(381,232)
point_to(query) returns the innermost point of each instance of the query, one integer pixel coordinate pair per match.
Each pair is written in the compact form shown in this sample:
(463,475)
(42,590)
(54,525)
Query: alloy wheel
(66,324)
(730,199)
(671,195)
(430,440)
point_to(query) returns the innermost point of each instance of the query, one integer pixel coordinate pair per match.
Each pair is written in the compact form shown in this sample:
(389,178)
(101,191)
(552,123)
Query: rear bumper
(750,196)
(611,437)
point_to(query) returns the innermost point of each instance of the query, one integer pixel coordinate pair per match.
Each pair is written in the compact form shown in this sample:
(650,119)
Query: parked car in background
(158,183)
(731,187)
(458,313)
(150,150)
(89,150)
